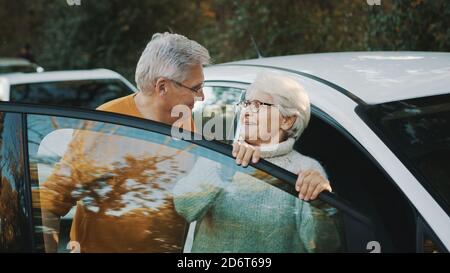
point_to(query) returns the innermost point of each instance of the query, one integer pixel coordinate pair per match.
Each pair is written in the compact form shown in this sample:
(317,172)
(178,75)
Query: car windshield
(418,131)
(84,93)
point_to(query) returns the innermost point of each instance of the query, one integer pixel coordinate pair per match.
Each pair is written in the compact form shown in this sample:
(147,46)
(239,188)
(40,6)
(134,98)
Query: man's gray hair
(288,95)
(168,55)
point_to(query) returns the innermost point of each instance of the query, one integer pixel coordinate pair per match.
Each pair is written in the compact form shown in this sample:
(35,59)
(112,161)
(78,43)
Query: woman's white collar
(278,149)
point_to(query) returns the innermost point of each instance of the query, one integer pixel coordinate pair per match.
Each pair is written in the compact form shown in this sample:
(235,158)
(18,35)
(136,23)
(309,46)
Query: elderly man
(169,73)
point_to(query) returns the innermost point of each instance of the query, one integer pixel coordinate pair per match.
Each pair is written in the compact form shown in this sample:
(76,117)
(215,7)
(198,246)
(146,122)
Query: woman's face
(260,123)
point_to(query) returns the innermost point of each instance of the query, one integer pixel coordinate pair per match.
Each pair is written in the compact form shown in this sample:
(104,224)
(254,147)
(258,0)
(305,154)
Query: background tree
(113,33)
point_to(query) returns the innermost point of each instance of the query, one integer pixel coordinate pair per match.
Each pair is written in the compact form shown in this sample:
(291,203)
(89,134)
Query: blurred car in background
(15,65)
(76,88)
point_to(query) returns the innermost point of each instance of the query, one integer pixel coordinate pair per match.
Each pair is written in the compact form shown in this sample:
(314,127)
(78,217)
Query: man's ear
(161,86)
(287,122)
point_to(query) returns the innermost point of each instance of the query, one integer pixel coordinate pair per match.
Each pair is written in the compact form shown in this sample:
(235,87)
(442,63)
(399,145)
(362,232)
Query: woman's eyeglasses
(253,105)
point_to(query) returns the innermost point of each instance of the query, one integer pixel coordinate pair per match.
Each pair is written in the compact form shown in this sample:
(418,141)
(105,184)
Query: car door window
(429,246)
(355,177)
(218,111)
(248,210)
(133,190)
(14,215)
(117,181)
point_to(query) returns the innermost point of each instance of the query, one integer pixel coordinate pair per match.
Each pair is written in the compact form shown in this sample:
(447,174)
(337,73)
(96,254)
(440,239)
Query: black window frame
(361,111)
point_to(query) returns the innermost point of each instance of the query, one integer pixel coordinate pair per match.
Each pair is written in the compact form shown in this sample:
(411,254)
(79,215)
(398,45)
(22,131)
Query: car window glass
(218,112)
(355,177)
(429,246)
(417,130)
(132,190)
(13,211)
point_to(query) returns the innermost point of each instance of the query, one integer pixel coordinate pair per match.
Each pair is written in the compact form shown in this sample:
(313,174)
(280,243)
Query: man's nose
(200,96)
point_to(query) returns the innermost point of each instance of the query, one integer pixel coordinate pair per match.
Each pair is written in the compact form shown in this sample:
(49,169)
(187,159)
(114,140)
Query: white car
(18,65)
(76,88)
(379,126)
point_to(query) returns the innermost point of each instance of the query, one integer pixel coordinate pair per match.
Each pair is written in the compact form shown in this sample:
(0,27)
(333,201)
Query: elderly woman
(281,112)
(241,214)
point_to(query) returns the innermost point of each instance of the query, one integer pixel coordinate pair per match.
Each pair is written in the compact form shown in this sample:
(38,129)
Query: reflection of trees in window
(128,194)
(12,219)
(8,213)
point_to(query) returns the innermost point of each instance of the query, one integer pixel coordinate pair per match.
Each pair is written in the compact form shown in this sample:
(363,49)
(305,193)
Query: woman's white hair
(168,55)
(288,95)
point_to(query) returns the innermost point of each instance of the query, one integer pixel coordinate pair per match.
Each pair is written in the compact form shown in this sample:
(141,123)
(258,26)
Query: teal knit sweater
(236,212)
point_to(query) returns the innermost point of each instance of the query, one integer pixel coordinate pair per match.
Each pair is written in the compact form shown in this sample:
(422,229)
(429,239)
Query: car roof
(67,75)
(373,77)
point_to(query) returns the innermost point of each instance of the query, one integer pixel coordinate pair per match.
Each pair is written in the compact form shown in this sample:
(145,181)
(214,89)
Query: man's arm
(196,193)
(50,221)
(55,196)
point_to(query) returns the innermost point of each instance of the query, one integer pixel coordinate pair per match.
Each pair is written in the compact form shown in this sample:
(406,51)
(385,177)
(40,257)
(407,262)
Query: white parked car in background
(76,88)
(18,65)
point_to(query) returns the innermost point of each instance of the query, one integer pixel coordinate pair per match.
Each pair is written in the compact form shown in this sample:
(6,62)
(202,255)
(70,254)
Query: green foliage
(113,33)
(108,34)
(422,25)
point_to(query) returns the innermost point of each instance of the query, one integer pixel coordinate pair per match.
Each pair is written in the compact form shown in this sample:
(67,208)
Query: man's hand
(310,183)
(243,152)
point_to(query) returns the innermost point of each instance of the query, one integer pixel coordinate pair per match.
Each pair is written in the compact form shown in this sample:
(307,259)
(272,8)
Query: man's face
(182,95)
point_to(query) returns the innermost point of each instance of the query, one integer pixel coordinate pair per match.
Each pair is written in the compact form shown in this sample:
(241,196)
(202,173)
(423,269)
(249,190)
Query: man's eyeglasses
(253,105)
(195,89)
